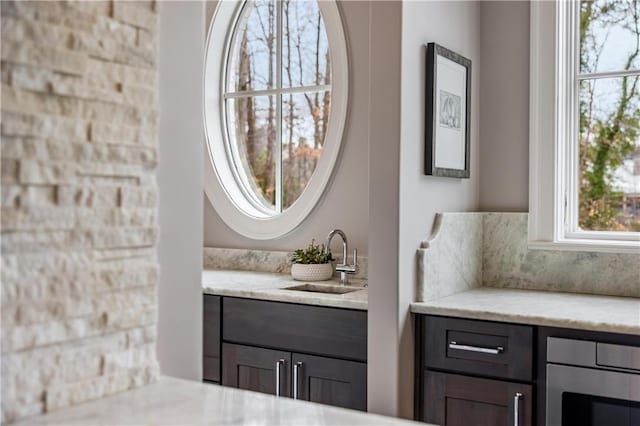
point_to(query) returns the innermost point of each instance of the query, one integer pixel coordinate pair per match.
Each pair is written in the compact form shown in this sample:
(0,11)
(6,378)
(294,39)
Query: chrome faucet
(344,268)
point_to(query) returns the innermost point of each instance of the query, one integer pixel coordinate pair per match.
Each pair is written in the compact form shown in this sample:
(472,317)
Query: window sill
(584,245)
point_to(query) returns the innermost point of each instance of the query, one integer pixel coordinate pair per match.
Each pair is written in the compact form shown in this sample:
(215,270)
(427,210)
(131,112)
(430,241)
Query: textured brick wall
(79,201)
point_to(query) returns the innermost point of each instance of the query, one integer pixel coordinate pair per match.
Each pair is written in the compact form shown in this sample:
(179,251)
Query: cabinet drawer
(340,333)
(478,347)
(453,400)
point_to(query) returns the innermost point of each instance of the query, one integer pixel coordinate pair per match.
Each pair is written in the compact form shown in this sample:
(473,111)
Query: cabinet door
(455,400)
(211,338)
(255,369)
(330,381)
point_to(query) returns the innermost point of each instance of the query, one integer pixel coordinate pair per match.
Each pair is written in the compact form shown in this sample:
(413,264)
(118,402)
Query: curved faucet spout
(344,268)
(327,245)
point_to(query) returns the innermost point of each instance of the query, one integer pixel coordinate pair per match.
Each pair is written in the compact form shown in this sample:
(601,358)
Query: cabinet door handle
(278,364)
(494,351)
(516,408)
(296,366)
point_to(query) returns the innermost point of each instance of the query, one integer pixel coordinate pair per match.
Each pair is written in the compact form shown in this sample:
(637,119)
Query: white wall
(180,181)
(456,26)
(345,202)
(384,365)
(504,105)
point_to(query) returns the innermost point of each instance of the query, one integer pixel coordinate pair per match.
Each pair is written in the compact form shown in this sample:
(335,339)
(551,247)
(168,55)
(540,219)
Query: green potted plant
(312,263)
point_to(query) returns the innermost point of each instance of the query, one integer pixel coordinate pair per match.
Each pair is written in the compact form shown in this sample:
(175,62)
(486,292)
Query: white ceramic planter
(321,272)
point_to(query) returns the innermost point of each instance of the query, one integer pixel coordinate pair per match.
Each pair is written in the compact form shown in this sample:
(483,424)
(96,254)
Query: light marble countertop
(179,402)
(270,286)
(546,308)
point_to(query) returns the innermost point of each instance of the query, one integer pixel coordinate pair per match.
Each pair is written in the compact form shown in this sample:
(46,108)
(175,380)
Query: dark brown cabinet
(457,400)
(330,381)
(256,369)
(473,373)
(333,332)
(491,349)
(211,339)
(311,378)
(313,353)
(477,373)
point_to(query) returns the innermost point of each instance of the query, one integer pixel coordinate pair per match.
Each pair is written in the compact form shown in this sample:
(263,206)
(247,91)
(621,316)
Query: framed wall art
(448,113)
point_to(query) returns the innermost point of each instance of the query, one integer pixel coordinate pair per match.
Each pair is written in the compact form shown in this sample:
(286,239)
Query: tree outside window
(278,98)
(609,116)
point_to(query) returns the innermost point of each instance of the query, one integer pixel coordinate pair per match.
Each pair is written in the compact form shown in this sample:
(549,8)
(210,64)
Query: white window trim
(221,186)
(550,174)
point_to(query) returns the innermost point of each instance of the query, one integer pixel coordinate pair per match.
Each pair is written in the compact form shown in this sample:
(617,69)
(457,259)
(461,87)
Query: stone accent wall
(79,201)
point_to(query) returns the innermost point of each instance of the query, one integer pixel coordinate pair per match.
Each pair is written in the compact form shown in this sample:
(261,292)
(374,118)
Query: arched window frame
(223,184)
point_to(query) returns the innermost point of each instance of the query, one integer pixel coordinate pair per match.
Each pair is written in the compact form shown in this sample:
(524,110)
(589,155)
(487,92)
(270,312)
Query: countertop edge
(420,308)
(270,296)
(446,306)
(277,287)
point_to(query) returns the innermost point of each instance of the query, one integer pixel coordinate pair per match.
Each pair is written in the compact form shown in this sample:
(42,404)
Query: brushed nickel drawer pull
(296,366)
(278,364)
(516,409)
(494,351)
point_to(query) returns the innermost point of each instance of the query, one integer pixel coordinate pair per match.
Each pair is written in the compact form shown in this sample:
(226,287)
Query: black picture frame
(431,115)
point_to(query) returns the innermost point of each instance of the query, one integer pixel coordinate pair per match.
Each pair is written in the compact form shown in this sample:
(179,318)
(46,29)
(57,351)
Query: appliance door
(591,397)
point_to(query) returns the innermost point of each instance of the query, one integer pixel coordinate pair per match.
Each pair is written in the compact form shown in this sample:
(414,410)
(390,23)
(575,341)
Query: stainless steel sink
(324,288)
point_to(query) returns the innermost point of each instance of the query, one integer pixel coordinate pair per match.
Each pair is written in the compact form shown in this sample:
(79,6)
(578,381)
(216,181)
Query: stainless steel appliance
(592,383)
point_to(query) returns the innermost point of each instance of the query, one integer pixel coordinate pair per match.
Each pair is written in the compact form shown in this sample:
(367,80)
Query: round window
(276,89)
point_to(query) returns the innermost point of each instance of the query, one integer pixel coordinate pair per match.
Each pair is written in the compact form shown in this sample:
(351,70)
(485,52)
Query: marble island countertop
(179,402)
(272,286)
(545,308)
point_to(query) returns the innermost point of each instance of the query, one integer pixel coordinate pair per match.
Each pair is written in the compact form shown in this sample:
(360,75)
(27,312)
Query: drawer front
(484,348)
(340,333)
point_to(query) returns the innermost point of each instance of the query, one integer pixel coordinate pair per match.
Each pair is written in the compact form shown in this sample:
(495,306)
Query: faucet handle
(355,257)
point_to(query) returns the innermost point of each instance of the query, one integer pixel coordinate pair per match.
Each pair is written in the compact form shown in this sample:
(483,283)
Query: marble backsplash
(508,262)
(262,261)
(468,250)
(247,260)
(450,261)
